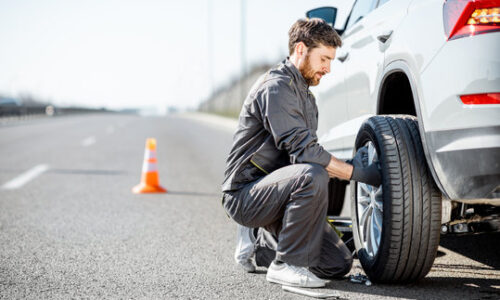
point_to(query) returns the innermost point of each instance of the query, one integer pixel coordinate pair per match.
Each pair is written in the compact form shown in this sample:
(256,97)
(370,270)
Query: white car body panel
(438,71)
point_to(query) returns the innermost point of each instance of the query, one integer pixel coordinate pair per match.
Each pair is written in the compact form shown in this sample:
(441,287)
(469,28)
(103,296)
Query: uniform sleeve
(283,117)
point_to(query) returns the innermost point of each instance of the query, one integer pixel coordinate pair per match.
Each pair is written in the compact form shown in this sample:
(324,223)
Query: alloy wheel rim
(370,209)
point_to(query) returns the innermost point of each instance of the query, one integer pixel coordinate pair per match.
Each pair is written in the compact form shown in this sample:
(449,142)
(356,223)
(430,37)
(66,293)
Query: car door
(331,98)
(367,36)
(361,63)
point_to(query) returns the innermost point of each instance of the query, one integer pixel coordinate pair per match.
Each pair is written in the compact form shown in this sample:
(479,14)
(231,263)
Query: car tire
(396,227)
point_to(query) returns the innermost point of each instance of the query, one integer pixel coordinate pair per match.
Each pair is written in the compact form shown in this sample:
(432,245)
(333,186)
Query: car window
(382,2)
(361,8)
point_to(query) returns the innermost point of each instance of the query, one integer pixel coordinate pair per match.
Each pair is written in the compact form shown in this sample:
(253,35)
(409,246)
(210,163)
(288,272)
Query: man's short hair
(312,32)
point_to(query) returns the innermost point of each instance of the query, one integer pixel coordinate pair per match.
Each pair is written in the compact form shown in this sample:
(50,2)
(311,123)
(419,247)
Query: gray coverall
(275,176)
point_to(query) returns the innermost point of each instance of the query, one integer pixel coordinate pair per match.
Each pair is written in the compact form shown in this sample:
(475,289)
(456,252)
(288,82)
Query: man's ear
(300,49)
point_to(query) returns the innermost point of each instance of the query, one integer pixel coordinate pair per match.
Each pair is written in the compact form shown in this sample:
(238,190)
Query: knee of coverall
(336,272)
(317,176)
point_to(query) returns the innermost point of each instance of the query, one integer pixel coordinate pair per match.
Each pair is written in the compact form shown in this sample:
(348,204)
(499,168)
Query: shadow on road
(194,194)
(462,281)
(484,248)
(86,172)
(428,288)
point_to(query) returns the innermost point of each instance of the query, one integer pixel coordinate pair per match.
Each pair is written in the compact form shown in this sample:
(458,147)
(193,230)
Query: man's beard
(308,73)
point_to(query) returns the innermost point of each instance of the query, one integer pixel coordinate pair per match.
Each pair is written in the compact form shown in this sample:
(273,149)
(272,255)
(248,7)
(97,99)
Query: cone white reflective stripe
(149,167)
(149,154)
(150,182)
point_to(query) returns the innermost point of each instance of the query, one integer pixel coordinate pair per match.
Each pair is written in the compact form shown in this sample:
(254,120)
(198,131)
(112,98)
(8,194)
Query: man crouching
(277,174)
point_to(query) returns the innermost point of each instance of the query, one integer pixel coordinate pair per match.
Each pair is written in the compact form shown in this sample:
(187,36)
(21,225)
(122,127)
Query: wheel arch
(399,70)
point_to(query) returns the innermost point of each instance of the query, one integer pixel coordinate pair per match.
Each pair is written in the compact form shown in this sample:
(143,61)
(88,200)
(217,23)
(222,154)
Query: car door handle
(343,56)
(384,36)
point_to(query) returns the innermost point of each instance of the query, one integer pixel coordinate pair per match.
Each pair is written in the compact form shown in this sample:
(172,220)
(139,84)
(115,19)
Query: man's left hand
(370,174)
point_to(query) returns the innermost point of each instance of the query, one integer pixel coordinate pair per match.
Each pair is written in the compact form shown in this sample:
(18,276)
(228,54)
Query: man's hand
(339,169)
(369,174)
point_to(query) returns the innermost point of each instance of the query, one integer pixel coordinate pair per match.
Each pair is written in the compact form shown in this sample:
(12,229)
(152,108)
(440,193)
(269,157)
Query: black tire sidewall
(368,132)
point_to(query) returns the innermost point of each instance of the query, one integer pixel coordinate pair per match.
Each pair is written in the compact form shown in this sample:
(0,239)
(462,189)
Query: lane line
(88,141)
(25,177)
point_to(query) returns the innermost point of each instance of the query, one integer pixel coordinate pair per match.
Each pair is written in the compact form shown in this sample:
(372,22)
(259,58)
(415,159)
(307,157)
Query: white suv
(418,82)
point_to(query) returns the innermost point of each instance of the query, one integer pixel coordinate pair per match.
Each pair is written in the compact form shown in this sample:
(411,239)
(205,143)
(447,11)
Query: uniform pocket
(258,166)
(268,160)
(251,172)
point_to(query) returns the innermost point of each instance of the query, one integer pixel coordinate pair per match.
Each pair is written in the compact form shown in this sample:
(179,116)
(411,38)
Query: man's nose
(326,69)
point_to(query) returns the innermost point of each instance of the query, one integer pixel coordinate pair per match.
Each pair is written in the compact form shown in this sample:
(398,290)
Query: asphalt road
(73,229)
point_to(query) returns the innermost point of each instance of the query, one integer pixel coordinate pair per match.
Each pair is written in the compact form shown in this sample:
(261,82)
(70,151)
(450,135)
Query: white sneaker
(293,276)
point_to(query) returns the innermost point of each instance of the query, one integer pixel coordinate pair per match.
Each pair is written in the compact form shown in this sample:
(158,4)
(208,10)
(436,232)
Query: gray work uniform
(276,178)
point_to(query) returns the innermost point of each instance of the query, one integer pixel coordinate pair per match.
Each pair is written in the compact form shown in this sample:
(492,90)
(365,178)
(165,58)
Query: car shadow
(462,281)
(484,248)
(427,288)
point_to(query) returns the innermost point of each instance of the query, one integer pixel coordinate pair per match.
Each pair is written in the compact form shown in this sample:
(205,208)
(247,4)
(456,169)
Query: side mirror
(329,14)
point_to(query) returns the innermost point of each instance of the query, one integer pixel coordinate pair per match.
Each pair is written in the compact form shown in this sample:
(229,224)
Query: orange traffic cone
(150,183)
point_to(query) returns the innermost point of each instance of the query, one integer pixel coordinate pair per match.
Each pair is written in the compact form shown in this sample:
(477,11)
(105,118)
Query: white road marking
(22,179)
(88,141)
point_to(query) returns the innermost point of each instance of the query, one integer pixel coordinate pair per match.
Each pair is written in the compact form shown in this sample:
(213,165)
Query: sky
(122,54)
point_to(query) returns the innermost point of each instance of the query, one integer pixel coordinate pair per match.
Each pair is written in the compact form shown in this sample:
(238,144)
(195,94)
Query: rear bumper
(466,161)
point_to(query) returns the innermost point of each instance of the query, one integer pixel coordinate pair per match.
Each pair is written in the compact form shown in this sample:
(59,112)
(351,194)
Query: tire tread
(411,230)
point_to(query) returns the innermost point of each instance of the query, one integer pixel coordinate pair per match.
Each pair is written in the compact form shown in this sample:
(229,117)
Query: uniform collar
(296,75)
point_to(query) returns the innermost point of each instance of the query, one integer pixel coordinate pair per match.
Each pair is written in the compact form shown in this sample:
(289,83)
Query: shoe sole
(273,280)
(248,270)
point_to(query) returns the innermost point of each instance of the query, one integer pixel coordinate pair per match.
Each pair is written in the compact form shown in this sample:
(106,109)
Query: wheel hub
(370,209)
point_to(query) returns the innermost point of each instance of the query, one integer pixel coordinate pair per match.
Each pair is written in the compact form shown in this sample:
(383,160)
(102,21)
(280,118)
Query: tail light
(489,98)
(470,17)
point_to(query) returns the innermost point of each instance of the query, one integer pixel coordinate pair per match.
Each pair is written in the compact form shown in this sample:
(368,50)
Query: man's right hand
(370,174)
